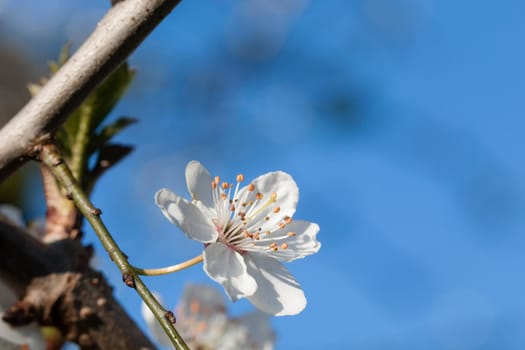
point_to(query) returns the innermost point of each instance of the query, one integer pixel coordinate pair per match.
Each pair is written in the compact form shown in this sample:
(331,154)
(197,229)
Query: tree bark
(59,288)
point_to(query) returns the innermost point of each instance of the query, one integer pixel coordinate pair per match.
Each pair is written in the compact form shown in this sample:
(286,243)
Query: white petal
(153,324)
(284,186)
(278,292)
(225,266)
(235,336)
(260,332)
(209,300)
(216,325)
(198,180)
(186,216)
(304,242)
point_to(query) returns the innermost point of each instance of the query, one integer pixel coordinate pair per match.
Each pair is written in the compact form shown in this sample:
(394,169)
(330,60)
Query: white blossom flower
(247,232)
(203,323)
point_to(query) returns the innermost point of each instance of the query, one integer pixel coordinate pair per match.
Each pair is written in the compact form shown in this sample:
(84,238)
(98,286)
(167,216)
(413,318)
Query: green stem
(168,269)
(50,156)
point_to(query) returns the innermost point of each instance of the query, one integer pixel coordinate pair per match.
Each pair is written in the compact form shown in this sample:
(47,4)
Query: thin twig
(51,157)
(169,269)
(116,36)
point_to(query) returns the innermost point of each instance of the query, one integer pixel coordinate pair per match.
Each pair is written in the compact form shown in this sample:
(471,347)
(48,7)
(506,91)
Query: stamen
(232,208)
(201,326)
(225,185)
(282,225)
(223,195)
(251,187)
(276,209)
(274,197)
(267,233)
(291,234)
(217,179)
(259,196)
(240,178)
(213,185)
(287,220)
(284,246)
(273,246)
(194,306)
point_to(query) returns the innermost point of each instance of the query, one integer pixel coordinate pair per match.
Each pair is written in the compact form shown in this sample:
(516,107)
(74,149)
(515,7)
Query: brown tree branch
(82,307)
(117,35)
(60,289)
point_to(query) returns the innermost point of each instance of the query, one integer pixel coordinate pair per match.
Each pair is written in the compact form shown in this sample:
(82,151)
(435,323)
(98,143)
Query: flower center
(241,216)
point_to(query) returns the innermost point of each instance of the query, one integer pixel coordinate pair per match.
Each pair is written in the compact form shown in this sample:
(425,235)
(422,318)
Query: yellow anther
(273,245)
(217,179)
(267,233)
(225,185)
(223,195)
(284,246)
(287,220)
(258,196)
(291,234)
(276,209)
(213,185)
(240,178)
(232,207)
(246,233)
(274,197)
(251,187)
(282,225)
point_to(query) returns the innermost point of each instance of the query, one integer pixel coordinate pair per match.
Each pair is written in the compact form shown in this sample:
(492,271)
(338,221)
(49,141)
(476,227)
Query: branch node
(128,280)
(95,211)
(170,317)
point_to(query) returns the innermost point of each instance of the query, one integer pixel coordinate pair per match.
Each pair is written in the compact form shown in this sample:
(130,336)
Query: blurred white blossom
(203,323)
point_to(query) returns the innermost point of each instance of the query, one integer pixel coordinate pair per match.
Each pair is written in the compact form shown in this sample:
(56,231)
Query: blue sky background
(401,122)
